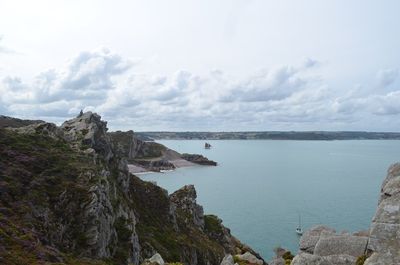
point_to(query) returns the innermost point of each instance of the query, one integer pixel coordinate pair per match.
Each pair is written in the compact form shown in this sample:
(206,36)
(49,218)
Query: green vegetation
(361,259)
(36,171)
(288,257)
(239,261)
(212,224)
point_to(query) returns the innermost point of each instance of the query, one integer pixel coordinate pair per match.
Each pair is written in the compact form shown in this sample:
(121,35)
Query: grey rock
(309,259)
(310,238)
(342,259)
(156,258)
(185,200)
(277,261)
(379,258)
(228,260)
(250,258)
(89,130)
(384,235)
(341,245)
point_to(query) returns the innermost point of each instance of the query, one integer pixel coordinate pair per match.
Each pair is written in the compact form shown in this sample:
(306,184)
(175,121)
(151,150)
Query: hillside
(67,198)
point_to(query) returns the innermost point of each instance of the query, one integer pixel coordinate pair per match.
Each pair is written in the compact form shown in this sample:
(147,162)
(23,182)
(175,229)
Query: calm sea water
(260,187)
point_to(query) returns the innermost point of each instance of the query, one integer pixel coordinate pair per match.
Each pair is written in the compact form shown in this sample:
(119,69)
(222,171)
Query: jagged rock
(228,260)
(184,200)
(88,130)
(157,259)
(385,228)
(341,245)
(309,239)
(250,258)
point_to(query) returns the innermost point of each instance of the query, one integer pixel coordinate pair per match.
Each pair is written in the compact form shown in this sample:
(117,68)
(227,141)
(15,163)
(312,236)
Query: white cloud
(286,97)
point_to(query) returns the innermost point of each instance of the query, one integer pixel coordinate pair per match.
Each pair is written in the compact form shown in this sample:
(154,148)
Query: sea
(261,188)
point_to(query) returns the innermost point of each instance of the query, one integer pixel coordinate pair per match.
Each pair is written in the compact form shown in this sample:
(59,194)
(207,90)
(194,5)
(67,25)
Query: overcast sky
(204,65)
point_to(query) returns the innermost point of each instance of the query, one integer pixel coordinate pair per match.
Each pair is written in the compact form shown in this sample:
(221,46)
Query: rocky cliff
(66,197)
(378,246)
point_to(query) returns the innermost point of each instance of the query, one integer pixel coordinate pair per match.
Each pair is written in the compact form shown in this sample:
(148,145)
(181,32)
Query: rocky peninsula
(143,156)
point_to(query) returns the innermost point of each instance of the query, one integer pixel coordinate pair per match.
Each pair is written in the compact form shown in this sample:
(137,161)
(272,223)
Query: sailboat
(299,230)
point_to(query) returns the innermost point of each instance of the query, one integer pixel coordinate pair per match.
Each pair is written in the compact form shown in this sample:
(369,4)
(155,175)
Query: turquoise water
(260,187)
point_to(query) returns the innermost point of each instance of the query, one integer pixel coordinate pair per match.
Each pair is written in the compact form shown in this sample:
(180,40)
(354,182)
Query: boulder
(309,259)
(310,238)
(228,260)
(341,245)
(157,259)
(250,258)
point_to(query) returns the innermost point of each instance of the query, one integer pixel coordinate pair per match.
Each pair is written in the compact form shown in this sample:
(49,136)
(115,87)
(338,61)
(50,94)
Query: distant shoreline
(270,135)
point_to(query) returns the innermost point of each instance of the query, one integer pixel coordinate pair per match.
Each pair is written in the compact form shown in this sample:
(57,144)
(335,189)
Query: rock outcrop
(384,238)
(66,197)
(198,159)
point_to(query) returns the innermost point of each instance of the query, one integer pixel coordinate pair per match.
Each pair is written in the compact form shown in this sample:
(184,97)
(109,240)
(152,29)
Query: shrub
(361,259)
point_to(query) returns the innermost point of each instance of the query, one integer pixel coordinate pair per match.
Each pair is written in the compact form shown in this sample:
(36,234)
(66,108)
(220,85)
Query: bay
(260,187)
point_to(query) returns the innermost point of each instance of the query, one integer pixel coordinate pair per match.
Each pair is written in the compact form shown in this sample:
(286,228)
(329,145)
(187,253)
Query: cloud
(276,84)
(387,77)
(85,81)
(284,97)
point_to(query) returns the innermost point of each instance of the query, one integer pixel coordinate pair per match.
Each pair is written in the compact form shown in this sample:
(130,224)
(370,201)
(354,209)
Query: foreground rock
(66,197)
(249,258)
(384,235)
(381,245)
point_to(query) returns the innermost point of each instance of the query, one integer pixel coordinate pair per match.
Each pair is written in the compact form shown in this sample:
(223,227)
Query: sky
(227,65)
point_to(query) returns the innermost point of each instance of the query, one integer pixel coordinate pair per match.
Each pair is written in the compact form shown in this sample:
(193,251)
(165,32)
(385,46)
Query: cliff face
(66,197)
(378,246)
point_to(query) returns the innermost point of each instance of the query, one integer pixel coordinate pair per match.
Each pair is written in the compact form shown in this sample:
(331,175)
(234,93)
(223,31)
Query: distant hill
(271,135)
(6,121)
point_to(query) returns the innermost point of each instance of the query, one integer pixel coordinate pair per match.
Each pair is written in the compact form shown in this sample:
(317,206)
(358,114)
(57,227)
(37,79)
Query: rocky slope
(66,197)
(378,246)
(152,156)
